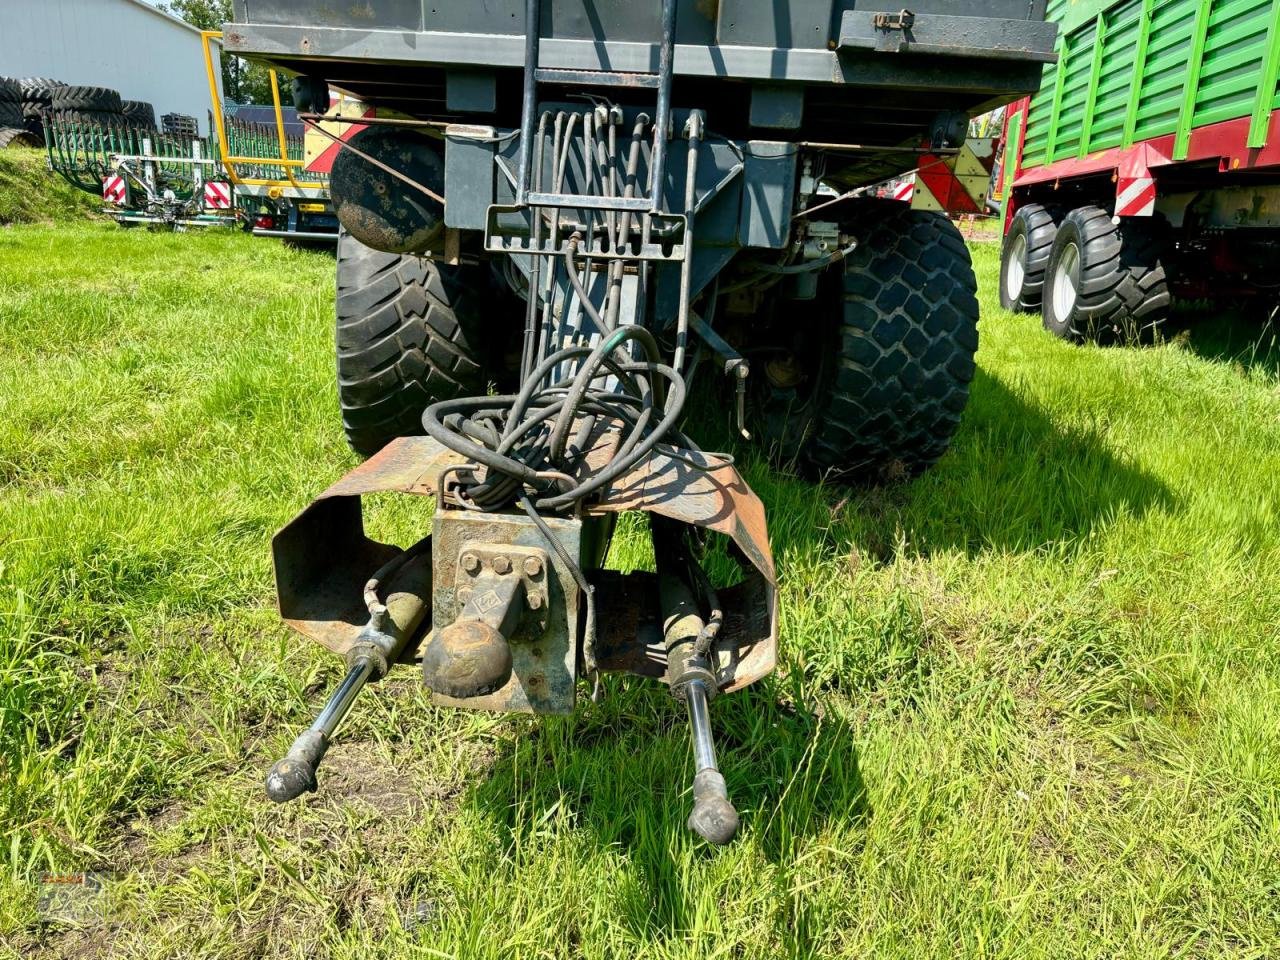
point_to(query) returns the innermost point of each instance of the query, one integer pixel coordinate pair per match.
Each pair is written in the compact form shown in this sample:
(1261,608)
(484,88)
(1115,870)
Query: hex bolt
(535,601)
(532,566)
(470,562)
(501,564)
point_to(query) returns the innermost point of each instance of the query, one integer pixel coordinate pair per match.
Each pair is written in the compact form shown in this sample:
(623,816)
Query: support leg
(713,817)
(295,774)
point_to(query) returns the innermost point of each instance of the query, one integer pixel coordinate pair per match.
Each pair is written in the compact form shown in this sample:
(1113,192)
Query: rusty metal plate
(544,654)
(323,557)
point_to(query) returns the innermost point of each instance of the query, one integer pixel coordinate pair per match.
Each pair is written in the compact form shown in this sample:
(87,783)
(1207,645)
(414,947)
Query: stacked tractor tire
(14,131)
(26,105)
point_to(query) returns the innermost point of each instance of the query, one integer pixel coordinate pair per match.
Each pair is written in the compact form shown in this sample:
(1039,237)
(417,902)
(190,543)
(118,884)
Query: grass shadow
(621,771)
(1012,480)
(1249,339)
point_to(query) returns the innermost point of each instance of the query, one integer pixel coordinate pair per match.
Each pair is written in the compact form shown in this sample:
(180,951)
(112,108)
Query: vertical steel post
(666,58)
(529,105)
(1095,74)
(1139,69)
(1059,80)
(1191,85)
(1266,95)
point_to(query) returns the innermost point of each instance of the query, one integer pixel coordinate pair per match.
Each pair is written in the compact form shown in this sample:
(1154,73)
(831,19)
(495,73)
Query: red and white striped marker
(217,195)
(113,189)
(1135,196)
(905,189)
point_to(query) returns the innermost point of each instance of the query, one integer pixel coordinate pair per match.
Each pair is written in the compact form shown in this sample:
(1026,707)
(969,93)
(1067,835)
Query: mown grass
(32,193)
(1027,707)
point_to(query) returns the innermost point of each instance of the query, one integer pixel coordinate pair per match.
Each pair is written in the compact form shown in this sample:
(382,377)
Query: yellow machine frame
(229,161)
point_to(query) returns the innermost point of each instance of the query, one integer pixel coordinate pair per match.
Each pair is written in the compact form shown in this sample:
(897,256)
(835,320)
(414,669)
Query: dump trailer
(557,212)
(1146,167)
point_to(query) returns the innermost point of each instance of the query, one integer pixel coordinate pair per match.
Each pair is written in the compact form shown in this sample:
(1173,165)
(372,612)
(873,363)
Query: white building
(127,45)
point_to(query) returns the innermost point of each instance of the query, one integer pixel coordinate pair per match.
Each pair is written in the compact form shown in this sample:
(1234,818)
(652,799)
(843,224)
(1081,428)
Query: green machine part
(1132,70)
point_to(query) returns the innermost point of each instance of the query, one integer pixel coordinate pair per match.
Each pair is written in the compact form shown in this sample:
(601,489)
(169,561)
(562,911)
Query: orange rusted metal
(323,557)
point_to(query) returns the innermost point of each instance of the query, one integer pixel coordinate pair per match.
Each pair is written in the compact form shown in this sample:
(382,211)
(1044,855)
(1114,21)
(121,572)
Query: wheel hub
(1016,274)
(1066,277)
(784,372)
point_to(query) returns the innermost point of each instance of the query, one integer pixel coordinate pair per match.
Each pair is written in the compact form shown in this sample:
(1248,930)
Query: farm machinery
(277,169)
(143,175)
(554,213)
(1146,168)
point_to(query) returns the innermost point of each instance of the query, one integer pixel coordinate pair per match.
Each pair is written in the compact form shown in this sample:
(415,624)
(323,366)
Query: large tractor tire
(94,118)
(879,374)
(408,334)
(18,137)
(1106,281)
(139,113)
(78,99)
(1024,255)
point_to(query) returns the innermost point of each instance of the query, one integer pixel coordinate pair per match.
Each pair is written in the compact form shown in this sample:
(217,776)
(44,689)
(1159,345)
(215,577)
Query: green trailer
(1147,165)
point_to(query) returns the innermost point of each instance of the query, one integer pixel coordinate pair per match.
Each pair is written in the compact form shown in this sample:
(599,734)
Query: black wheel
(86,99)
(1024,256)
(408,334)
(10,114)
(1106,281)
(139,113)
(35,127)
(10,90)
(879,367)
(38,89)
(18,137)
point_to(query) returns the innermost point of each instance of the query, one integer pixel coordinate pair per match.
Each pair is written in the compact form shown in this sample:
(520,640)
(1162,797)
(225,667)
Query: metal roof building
(128,45)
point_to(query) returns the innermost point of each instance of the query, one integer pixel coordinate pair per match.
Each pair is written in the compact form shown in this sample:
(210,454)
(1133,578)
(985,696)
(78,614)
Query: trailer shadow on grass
(1012,480)
(619,773)
(1249,340)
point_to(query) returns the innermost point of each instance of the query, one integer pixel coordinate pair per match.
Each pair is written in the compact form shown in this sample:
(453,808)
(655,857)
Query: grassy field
(1028,703)
(30,193)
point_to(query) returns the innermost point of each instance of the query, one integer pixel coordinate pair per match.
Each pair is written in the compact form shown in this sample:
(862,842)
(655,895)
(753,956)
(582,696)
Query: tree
(242,81)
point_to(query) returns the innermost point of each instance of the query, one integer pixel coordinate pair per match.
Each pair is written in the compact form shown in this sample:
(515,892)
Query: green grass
(1027,707)
(32,193)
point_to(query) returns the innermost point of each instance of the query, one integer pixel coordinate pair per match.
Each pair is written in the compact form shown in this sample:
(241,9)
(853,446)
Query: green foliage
(1026,705)
(242,81)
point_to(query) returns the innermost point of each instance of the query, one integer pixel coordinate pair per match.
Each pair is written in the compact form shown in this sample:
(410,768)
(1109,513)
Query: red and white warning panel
(320,150)
(904,189)
(114,190)
(217,195)
(958,182)
(1135,196)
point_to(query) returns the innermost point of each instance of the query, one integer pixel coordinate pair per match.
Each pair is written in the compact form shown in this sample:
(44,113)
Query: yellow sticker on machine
(958,182)
(316,145)
(311,207)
